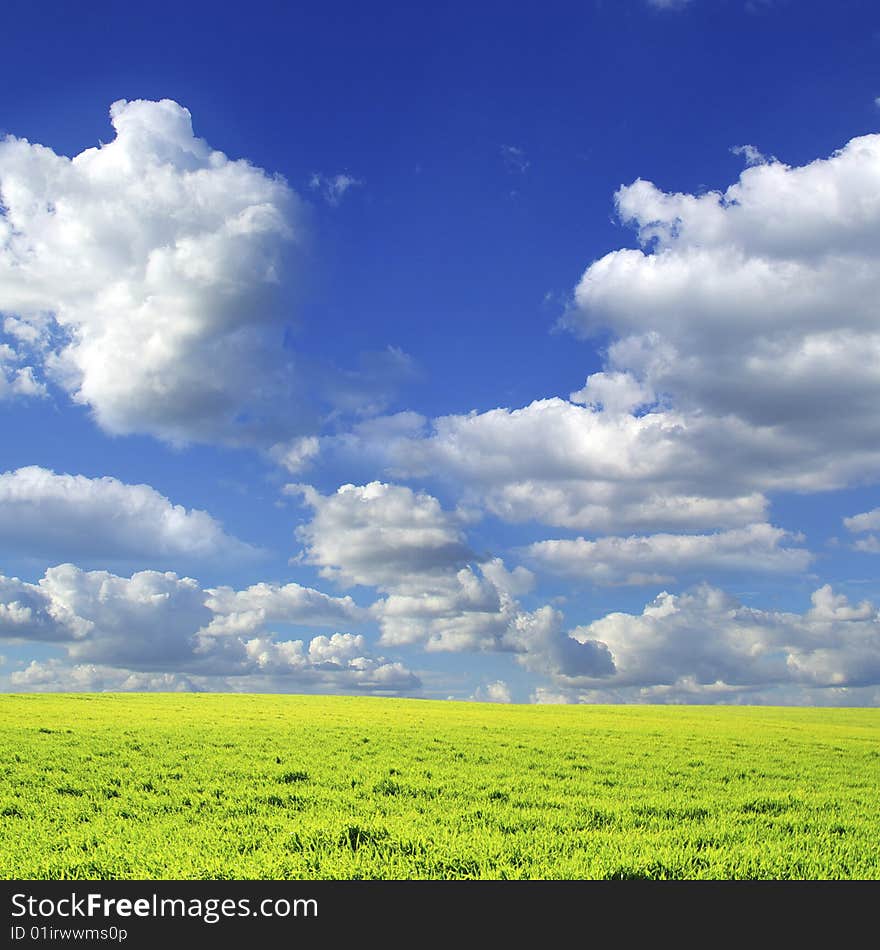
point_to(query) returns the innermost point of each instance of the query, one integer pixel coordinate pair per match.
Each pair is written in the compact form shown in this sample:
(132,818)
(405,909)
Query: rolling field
(214,786)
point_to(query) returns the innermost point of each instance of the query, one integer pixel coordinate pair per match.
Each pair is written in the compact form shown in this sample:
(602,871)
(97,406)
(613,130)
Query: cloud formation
(496,692)
(332,188)
(160,631)
(59,676)
(707,638)
(439,595)
(755,307)
(72,516)
(585,464)
(247,612)
(380,535)
(659,558)
(744,359)
(145,279)
(867,521)
(142,277)
(17,379)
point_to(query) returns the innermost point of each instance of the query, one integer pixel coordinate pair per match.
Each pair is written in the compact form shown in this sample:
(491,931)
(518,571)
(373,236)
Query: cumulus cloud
(27,613)
(159,631)
(147,621)
(862,523)
(616,393)
(469,613)
(688,690)
(544,647)
(497,692)
(59,676)
(142,277)
(744,358)
(830,606)
(599,463)
(439,595)
(659,558)
(456,611)
(372,440)
(548,696)
(72,516)
(708,638)
(869,544)
(866,521)
(16,377)
(752,155)
(297,454)
(249,611)
(593,466)
(403,543)
(381,535)
(755,303)
(364,676)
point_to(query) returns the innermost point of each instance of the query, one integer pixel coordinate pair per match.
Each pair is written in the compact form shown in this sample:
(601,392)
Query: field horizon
(267,786)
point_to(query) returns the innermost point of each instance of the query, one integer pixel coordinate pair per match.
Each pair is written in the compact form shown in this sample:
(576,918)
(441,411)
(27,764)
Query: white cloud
(247,612)
(497,692)
(403,543)
(160,631)
(756,305)
(381,535)
(473,615)
(143,277)
(544,647)
(752,155)
(861,523)
(72,516)
(335,649)
(869,544)
(370,439)
(576,466)
(147,621)
(58,676)
(616,393)
(17,379)
(708,638)
(362,677)
(297,454)
(27,613)
(688,690)
(340,662)
(513,583)
(332,188)
(455,611)
(439,595)
(659,558)
(668,4)
(866,521)
(744,359)
(545,696)
(830,606)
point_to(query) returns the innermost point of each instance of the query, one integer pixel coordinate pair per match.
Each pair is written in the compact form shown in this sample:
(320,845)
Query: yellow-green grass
(159,786)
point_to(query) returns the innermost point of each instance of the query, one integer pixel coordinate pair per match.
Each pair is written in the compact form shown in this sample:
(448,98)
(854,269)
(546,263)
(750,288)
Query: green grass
(214,786)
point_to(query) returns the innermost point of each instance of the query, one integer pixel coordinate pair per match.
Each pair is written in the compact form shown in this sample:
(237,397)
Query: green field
(252,786)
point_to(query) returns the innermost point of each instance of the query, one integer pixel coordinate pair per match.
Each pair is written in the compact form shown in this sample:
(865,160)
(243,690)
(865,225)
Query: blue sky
(482,351)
